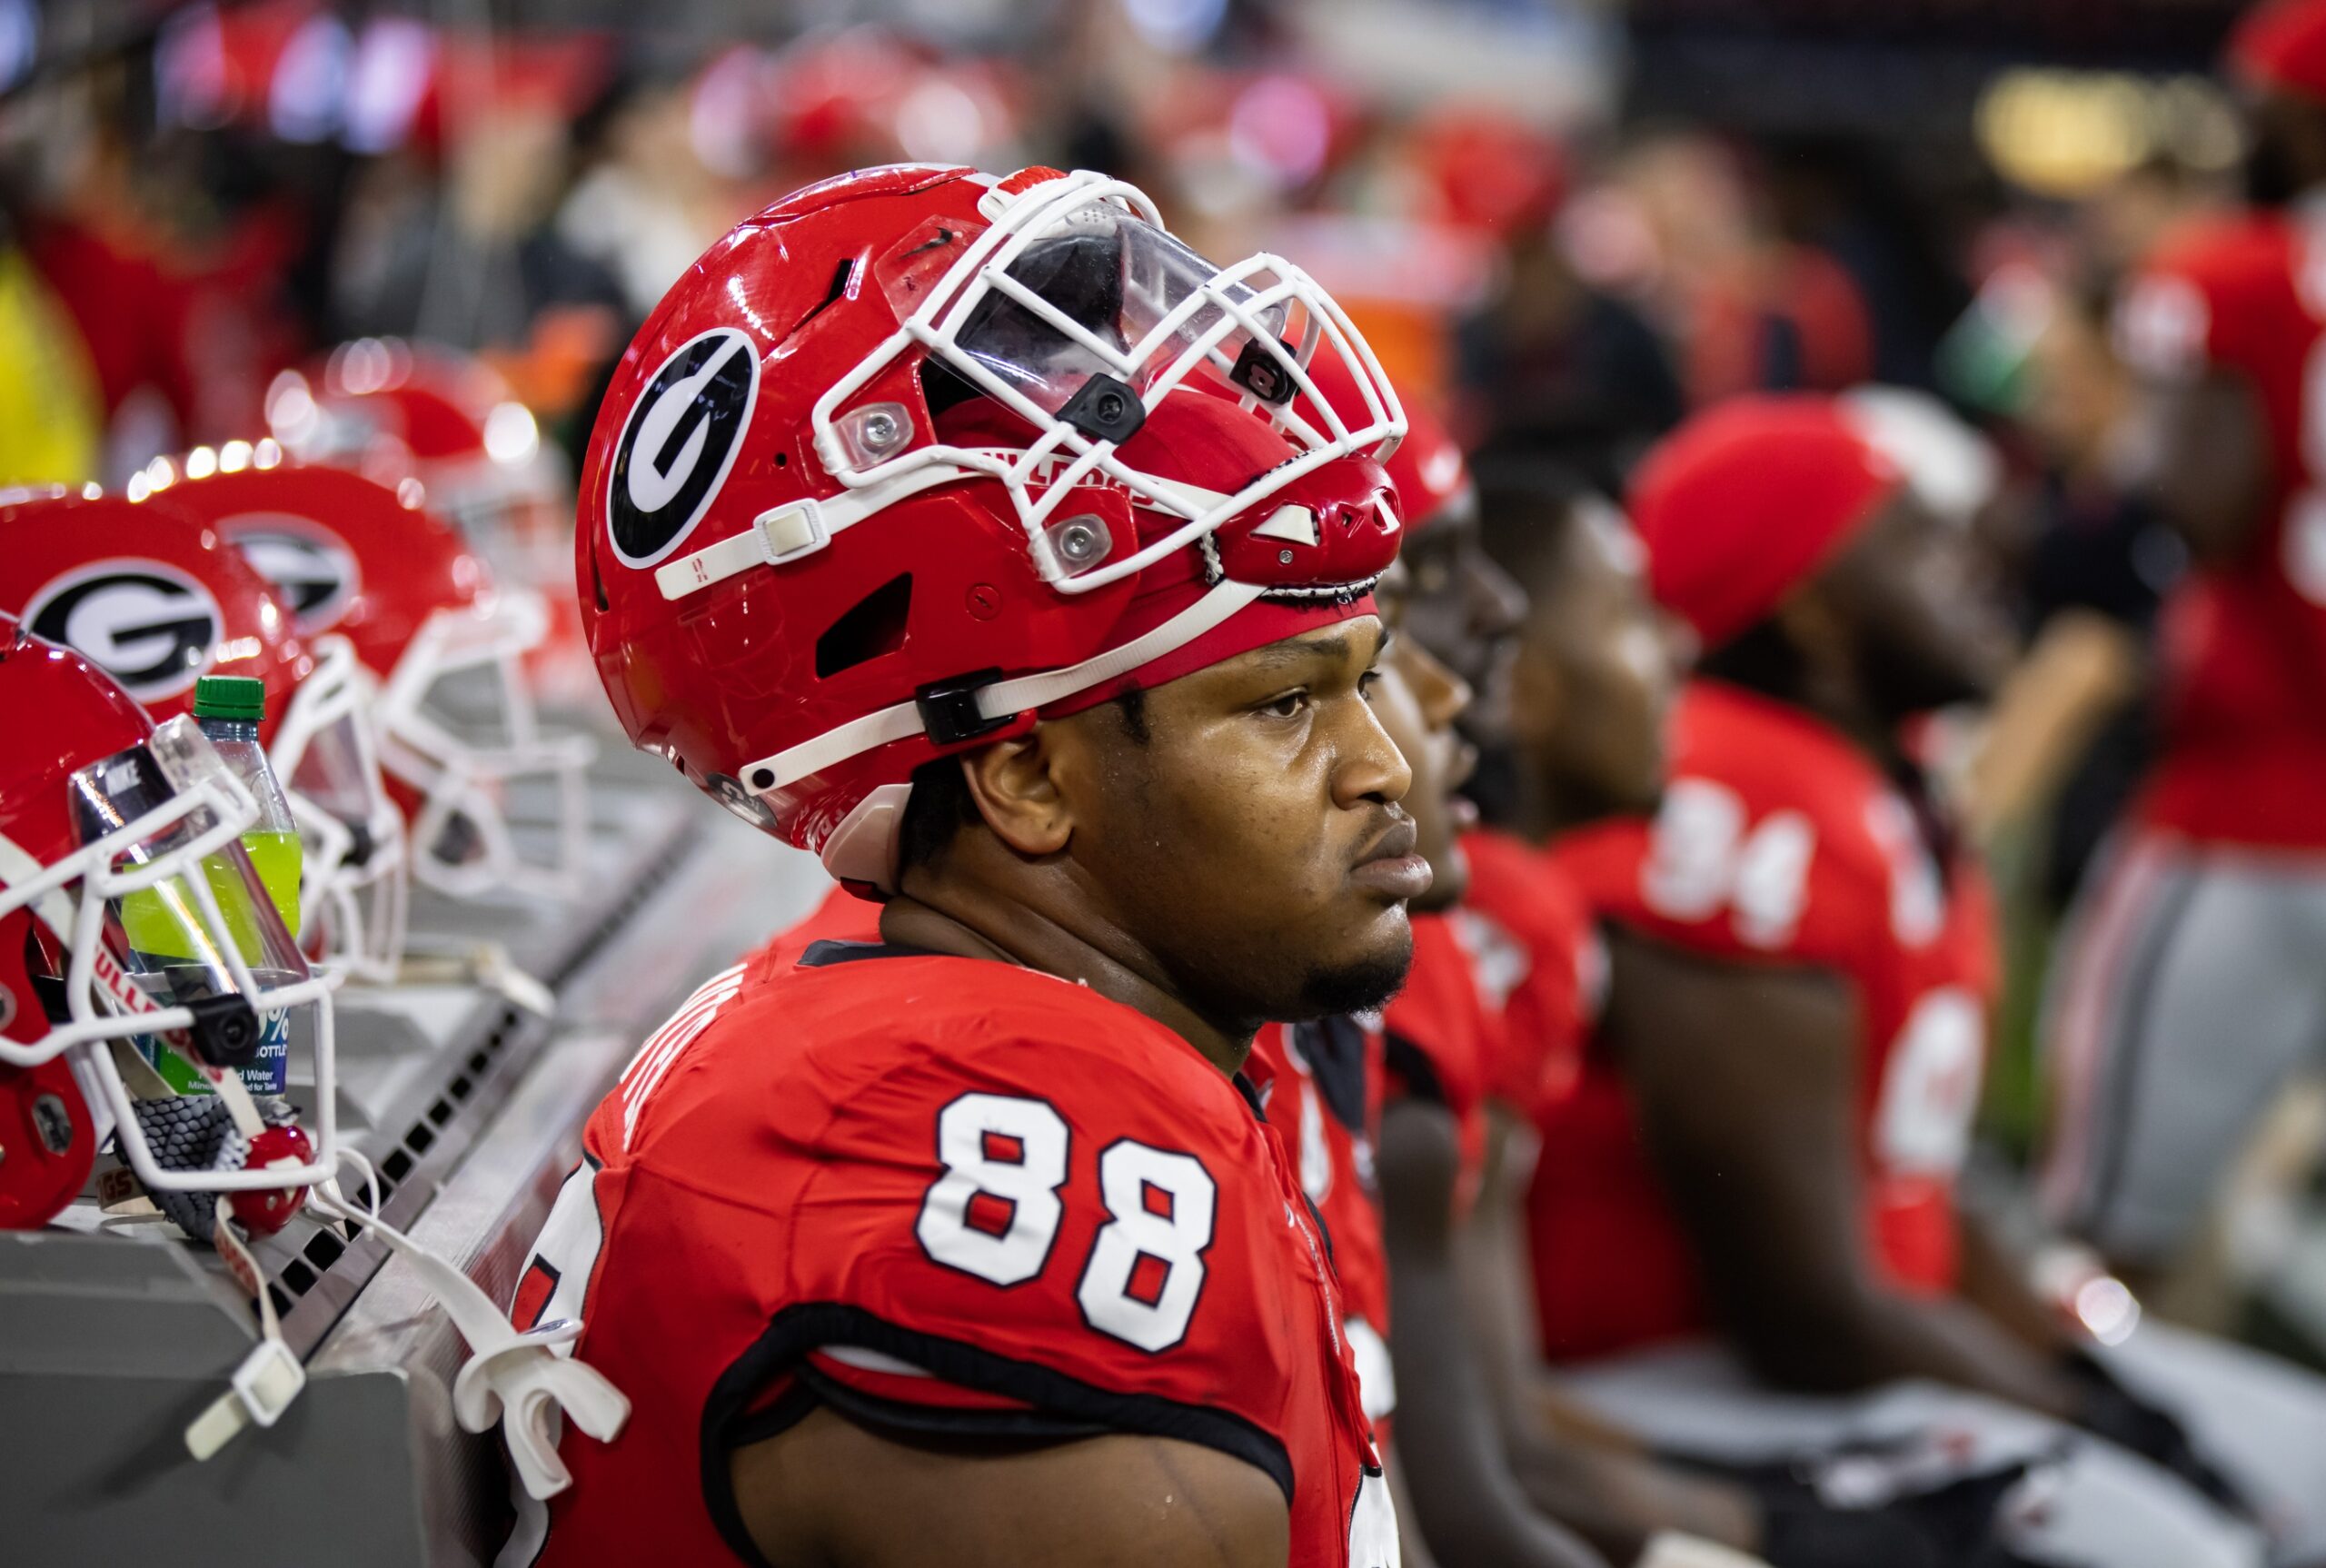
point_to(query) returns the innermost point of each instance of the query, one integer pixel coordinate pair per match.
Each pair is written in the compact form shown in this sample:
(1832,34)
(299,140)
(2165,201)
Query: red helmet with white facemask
(148,592)
(916,456)
(134,935)
(395,409)
(491,801)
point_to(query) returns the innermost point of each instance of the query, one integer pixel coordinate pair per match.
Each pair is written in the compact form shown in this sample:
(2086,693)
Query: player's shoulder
(817,1053)
(1772,759)
(1530,892)
(1775,836)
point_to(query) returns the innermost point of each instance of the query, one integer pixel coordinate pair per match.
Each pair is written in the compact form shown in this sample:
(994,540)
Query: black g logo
(310,569)
(679,442)
(149,626)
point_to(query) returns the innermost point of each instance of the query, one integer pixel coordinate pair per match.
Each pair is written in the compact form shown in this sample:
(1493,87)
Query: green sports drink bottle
(229,708)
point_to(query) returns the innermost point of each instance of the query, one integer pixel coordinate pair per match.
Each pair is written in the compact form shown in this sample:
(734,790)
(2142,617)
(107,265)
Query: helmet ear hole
(875,626)
(943,387)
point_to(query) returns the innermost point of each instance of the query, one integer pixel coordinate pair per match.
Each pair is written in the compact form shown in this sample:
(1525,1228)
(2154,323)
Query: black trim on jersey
(781,1349)
(790,1409)
(938,1420)
(1251,1096)
(1410,1066)
(1334,1049)
(824,955)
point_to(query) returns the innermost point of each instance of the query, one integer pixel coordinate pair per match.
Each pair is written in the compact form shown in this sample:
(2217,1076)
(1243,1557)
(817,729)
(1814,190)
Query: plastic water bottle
(229,708)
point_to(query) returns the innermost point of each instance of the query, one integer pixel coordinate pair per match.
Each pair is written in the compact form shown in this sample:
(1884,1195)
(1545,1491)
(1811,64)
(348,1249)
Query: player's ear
(1012,783)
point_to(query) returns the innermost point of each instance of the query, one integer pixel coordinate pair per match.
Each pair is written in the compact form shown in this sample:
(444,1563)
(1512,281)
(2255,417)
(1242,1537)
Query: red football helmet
(395,409)
(131,918)
(369,566)
(918,455)
(149,591)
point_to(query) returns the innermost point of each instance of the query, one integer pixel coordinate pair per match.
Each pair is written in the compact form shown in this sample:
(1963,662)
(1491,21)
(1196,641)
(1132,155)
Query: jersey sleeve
(1022,1230)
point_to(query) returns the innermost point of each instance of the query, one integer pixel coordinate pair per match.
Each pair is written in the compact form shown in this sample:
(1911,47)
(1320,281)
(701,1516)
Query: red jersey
(1319,1086)
(1438,1039)
(936,1191)
(2245,643)
(1778,842)
(1540,968)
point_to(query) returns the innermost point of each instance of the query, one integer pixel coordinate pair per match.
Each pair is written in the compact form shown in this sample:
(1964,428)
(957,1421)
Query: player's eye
(1367,682)
(1289,705)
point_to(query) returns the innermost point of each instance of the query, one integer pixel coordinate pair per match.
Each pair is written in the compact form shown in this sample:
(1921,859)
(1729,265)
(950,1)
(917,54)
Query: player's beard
(1359,987)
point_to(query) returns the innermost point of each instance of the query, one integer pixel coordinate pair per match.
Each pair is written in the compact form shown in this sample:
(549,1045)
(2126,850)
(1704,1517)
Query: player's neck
(1541,810)
(1055,932)
(1844,707)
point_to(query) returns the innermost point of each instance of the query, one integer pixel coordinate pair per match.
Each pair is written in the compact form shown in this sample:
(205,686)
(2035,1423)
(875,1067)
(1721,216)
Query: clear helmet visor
(335,773)
(1107,293)
(188,898)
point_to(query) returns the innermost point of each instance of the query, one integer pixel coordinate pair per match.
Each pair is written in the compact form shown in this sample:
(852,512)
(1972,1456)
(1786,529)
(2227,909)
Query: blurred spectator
(1558,369)
(2068,740)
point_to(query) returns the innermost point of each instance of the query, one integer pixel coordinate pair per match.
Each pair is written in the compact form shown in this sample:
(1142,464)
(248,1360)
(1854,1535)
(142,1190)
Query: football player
(964,530)
(1749,1200)
(2189,989)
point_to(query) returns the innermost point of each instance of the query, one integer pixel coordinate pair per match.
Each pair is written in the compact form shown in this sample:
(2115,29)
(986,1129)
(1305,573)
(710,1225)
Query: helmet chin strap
(1004,699)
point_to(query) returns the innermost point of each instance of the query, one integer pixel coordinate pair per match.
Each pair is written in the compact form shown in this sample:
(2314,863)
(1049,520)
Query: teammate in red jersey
(1014,586)
(1746,1242)
(2189,989)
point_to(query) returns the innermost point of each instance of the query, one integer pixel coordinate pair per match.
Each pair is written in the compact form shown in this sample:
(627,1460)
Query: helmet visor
(1107,293)
(186,900)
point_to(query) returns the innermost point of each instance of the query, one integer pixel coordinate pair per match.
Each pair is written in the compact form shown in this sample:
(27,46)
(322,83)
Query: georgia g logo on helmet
(311,568)
(680,442)
(149,626)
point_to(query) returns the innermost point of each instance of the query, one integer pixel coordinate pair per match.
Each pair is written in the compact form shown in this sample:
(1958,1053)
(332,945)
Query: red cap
(1744,503)
(2282,45)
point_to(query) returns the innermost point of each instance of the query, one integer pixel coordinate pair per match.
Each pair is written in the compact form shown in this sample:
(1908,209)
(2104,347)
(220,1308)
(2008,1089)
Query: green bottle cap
(240,698)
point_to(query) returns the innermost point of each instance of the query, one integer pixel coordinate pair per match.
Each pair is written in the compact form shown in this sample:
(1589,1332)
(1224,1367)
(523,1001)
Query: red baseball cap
(1745,500)
(2282,45)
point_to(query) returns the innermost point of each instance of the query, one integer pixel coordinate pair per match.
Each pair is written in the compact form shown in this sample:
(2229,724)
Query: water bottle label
(270,1074)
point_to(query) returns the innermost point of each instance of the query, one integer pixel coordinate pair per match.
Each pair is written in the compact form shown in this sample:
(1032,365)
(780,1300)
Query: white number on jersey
(1930,1088)
(565,1254)
(1704,856)
(995,1214)
(1012,1153)
(1145,1269)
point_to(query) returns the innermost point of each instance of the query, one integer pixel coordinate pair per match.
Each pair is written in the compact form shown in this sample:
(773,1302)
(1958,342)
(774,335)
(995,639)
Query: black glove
(1951,1525)
(2107,1409)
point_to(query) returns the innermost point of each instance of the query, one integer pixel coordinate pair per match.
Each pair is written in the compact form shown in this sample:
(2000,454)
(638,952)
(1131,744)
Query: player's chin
(1364,973)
